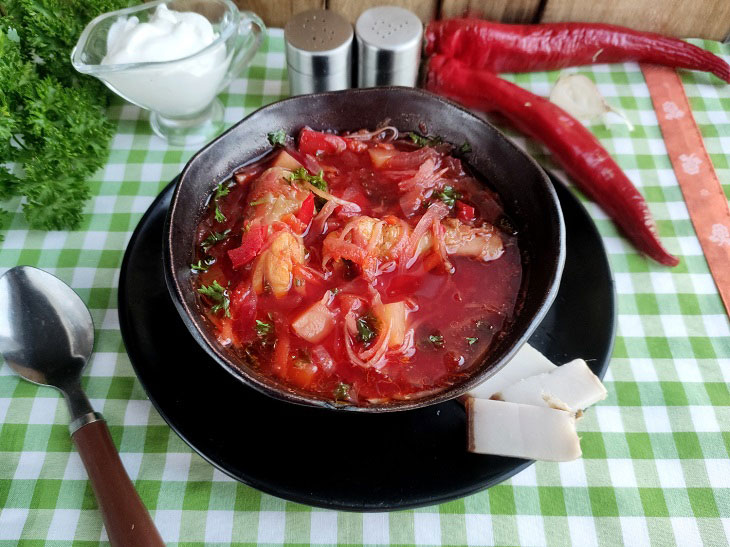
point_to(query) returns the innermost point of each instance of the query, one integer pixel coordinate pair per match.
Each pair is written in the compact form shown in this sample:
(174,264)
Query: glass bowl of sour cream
(171,57)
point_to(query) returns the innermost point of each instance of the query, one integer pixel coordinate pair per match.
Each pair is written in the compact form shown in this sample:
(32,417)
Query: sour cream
(190,78)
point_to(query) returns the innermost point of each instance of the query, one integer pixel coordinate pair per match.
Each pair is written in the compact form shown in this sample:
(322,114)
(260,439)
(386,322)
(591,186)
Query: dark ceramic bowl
(527,195)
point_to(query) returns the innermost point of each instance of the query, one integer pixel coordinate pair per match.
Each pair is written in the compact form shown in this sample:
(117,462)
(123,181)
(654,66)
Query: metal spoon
(46,336)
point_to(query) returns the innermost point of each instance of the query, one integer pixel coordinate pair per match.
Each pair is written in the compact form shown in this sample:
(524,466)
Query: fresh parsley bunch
(53,130)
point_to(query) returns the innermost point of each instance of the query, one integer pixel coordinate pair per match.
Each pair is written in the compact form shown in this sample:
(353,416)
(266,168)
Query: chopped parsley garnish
(221,191)
(263,329)
(315,180)
(342,391)
(277,138)
(219,216)
(465,148)
(214,238)
(437,340)
(366,328)
(424,141)
(258,202)
(471,341)
(217,293)
(448,195)
(202,265)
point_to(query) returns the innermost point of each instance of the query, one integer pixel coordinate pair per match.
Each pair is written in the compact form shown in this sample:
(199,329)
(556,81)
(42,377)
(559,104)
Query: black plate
(340,460)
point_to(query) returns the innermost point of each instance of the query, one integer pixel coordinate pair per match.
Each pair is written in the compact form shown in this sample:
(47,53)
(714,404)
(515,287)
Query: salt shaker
(318,51)
(389,46)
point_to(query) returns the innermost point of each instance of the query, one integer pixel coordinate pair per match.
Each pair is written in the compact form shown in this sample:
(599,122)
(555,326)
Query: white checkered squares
(656,419)
(582,531)
(12,522)
(63,524)
(29,465)
(670,473)
(630,325)
(623,474)
(479,530)
(271,527)
(323,528)
(427,528)
(219,526)
(375,528)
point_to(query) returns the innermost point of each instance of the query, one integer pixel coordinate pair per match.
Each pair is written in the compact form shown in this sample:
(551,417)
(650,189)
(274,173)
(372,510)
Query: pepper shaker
(318,52)
(389,46)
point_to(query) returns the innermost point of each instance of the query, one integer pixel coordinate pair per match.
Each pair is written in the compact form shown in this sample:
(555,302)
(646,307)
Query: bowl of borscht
(370,249)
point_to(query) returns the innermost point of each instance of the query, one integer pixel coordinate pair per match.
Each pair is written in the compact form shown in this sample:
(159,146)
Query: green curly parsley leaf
(218,294)
(219,216)
(202,265)
(367,328)
(465,148)
(263,329)
(214,238)
(53,130)
(277,138)
(437,340)
(448,195)
(315,180)
(422,141)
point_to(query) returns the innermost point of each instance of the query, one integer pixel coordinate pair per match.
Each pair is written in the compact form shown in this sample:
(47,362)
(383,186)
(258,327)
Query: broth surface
(361,268)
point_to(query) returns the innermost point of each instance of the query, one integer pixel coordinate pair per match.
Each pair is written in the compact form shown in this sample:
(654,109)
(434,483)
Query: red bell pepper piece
(548,46)
(574,146)
(316,142)
(306,211)
(465,213)
(251,243)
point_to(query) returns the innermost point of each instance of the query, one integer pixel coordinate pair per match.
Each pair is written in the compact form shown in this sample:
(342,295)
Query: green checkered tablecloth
(655,468)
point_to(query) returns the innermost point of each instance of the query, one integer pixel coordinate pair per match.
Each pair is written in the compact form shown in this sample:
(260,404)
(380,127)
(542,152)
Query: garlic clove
(579,96)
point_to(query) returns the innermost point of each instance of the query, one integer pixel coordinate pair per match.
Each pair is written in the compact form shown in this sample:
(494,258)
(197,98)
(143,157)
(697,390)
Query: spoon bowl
(47,337)
(46,331)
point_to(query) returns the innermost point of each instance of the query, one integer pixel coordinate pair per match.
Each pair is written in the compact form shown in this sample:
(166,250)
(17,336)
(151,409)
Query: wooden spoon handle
(125,517)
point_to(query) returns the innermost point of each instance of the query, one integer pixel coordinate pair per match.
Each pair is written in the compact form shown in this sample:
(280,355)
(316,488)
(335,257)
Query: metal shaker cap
(389,46)
(318,42)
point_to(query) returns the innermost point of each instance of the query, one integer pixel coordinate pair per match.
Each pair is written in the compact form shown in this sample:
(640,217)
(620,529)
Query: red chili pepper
(316,142)
(465,213)
(577,150)
(251,243)
(548,46)
(306,211)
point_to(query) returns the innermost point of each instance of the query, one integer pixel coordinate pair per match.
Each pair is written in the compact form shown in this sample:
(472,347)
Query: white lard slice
(526,362)
(570,387)
(521,431)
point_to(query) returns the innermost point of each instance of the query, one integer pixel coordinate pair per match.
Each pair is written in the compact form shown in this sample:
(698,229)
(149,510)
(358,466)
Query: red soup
(360,268)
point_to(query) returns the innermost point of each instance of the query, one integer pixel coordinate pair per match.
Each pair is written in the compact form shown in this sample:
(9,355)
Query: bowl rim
(277,390)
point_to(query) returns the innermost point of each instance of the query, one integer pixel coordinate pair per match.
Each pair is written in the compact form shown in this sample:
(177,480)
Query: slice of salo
(521,431)
(571,387)
(526,362)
